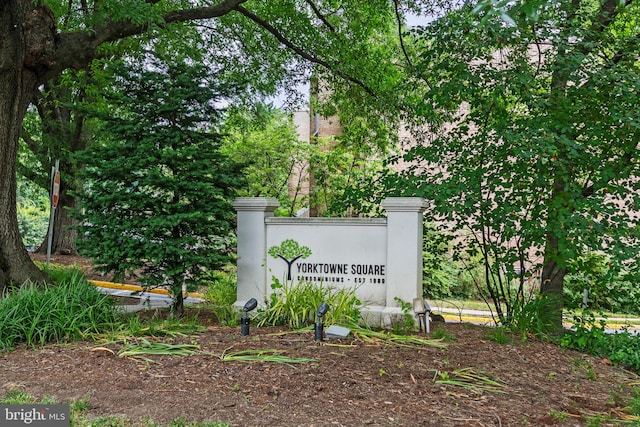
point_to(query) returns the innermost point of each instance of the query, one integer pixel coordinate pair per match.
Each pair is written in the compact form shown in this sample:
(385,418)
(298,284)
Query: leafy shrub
(609,288)
(221,292)
(589,336)
(32,223)
(443,277)
(295,305)
(61,273)
(69,310)
(33,212)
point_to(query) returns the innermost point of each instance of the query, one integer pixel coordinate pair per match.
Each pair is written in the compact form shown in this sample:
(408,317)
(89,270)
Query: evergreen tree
(159,190)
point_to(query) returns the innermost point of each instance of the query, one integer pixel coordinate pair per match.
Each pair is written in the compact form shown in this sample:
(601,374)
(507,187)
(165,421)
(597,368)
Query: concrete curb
(135,288)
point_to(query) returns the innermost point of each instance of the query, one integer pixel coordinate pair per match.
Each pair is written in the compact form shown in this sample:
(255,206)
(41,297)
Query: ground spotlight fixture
(419,310)
(319,328)
(422,309)
(248,306)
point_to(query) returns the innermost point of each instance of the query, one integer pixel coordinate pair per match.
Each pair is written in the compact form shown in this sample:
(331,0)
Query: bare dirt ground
(350,382)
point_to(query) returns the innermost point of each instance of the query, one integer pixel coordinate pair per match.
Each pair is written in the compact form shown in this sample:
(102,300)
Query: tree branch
(78,49)
(399,21)
(309,57)
(320,16)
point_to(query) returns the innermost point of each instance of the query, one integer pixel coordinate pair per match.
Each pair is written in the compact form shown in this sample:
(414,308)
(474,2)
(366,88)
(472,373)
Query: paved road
(483,317)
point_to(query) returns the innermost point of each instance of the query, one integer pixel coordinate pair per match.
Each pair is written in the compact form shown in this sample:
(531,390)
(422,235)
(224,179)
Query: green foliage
(62,273)
(406,323)
(441,333)
(132,325)
(531,316)
(158,191)
(635,402)
(221,291)
(295,305)
(343,171)
(540,157)
(588,335)
(33,213)
(498,334)
(609,288)
(33,223)
(17,397)
(442,276)
(265,140)
(70,310)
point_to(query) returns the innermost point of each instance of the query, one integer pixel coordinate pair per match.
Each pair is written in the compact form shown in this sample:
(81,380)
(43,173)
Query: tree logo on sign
(290,251)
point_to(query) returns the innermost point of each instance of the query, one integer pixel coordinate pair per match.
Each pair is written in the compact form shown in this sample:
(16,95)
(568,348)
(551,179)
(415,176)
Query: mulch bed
(350,382)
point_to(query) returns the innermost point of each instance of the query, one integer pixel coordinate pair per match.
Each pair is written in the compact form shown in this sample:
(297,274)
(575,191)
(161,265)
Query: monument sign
(381,258)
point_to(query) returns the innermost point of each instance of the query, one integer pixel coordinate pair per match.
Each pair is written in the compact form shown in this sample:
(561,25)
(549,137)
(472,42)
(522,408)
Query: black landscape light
(420,309)
(322,310)
(248,306)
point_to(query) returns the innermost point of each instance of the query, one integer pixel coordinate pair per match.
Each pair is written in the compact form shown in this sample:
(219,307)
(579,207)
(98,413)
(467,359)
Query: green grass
(220,293)
(442,334)
(295,305)
(72,309)
(499,334)
(78,416)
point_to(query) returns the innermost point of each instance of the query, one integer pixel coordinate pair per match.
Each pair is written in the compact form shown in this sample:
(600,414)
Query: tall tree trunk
(552,286)
(177,308)
(17,84)
(554,263)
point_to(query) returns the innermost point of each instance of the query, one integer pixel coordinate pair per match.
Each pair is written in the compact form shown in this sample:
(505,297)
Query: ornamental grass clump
(70,310)
(295,305)
(221,293)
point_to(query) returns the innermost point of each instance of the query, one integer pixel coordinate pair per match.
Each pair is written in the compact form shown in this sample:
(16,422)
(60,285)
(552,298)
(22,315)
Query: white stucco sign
(381,258)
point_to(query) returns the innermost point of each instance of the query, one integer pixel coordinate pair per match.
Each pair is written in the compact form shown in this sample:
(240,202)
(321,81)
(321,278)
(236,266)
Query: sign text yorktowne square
(340,268)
